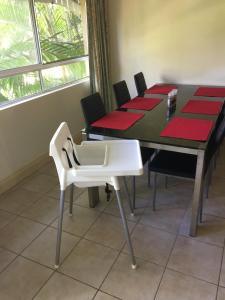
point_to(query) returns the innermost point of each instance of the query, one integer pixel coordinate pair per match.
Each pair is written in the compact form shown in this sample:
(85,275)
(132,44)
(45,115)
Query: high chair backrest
(63,151)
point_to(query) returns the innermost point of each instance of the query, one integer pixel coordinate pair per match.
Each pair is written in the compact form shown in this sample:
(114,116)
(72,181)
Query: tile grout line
(220,270)
(172,248)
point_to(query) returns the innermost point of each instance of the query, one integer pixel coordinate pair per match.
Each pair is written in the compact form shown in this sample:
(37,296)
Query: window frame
(38,67)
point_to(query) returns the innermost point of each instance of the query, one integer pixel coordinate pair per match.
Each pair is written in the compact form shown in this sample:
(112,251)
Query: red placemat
(210,92)
(162,89)
(142,103)
(202,107)
(118,120)
(188,129)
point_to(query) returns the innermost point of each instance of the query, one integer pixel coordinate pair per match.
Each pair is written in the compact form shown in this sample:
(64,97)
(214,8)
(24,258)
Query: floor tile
(40,183)
(5,218)
(218,172)
(80,221)
(128,284)
(113,209)
(176,286)
(5,258)
(48,169)
(217,187)
(17,200)
(108,230)
(194,258)
(60,287)
(22,280)
(89,262)
(215,205)
(173,197)
(55,193)
(165,217)
(83,200)
(221,293)
(212,230)
(19,233)
(152,244)
(43,248)
(103,296)
(45,210)
(142,188)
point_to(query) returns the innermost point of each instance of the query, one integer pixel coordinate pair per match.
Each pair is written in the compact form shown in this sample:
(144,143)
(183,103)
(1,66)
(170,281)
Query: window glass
(16,35)
(34,33)
(64,74)
(60,29)
(19,86)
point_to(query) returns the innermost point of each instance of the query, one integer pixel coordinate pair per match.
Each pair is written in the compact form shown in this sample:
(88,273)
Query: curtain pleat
(99,50)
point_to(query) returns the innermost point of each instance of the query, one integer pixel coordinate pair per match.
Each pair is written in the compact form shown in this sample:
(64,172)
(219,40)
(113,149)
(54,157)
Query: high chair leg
(134,191)
(126,230)
(59,233)
(128,196)
(71,200)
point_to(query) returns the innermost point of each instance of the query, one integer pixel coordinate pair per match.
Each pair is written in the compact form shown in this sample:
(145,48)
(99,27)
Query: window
(43,46)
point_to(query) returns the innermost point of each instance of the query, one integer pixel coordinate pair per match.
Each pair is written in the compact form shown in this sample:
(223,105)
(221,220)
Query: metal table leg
(197,192)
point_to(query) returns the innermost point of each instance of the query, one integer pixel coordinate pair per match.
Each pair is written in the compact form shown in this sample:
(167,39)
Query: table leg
(93,195)
(199,176)
(93,192)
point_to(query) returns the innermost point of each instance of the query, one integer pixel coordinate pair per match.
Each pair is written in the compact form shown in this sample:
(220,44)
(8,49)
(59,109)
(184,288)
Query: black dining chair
(140,83)
(184,165)
(122,95)
(94,109)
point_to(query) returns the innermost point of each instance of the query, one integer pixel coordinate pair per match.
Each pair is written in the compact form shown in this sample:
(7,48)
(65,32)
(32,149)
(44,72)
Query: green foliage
(61,38)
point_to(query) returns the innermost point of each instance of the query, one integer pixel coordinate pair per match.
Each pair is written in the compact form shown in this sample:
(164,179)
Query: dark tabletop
(154,121)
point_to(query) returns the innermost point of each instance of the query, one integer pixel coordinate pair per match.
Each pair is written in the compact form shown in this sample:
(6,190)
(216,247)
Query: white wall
(169,40)
(26,129)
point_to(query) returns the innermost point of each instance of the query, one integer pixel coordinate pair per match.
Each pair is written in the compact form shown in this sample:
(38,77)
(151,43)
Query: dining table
(148,131)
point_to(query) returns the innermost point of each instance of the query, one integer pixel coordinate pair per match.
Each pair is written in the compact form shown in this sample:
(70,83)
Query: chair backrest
(140,83)
(93,108)
(63,151)
(121,93)
(215,140)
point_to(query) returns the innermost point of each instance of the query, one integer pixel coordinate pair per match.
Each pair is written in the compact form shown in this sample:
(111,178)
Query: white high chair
(91,164)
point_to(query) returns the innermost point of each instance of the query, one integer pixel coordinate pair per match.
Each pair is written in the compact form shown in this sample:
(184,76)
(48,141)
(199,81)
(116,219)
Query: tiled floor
(94,259)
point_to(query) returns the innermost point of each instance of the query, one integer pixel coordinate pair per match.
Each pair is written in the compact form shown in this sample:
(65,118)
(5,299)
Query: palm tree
(60,32)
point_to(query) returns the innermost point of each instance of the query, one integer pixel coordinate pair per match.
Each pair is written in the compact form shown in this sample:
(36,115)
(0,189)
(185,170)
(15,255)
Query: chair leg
(126,230)
(201,208)
(149,174)
(59,233)
(128,196)
(134,191)
(166,182)
(71,200)
(108,192)
(208,178)
(154,191)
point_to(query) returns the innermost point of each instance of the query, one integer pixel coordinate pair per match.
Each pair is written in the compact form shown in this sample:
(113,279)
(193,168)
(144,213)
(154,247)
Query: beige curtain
(99,50)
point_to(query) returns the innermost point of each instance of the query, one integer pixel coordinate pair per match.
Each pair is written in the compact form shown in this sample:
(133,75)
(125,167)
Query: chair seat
(174,164)
(146,153)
